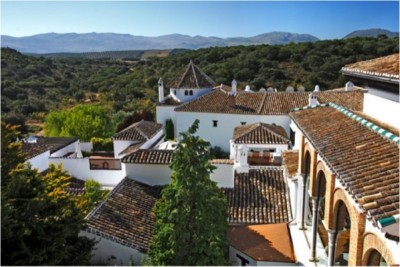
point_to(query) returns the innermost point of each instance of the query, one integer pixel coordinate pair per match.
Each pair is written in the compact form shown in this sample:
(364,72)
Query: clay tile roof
(126,216)
(221,161)
(383,67)
(149,156)
(365,162)
(192,77)
(260,133)
(261,196)
(260,103)
(139,131)
(265,242)
(132,148)
(44,144)
(290,159)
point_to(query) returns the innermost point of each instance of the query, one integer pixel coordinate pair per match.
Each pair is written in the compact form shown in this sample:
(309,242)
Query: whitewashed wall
(219,136)
(151,174)
(152,141)
(180,93)
(65,150)
(223,175)
(80,168)
(297,137)
(105,249)
(120,145)
(86,146)
(382,109)
(40,162)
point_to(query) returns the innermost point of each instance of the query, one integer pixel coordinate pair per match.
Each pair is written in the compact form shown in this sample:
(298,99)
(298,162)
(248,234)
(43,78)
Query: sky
(323,19)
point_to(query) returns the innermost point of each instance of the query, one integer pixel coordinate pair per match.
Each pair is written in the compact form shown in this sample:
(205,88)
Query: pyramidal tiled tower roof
(192,77)
(260,133)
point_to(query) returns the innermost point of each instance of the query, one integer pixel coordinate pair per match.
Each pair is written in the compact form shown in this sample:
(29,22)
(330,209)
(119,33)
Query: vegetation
(40,221)
(33,86)
(169,130)
(191,216)
(102,144)
(135,117)
(93,195)
(82,121)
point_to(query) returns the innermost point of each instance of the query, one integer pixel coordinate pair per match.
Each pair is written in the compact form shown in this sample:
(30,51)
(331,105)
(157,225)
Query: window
(292,136)
(215,123)
(242,122)
(191,92)
(186,92)
(174,92)
(105,165)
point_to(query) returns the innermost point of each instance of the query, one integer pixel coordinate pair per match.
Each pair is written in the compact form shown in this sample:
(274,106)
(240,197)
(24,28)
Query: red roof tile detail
(192,77)
(260,103)
(139,131)
(291,161)
(265,242)
(365,163)
(260,133)
(261,196)
(149,156)
(386,67)
(126,216)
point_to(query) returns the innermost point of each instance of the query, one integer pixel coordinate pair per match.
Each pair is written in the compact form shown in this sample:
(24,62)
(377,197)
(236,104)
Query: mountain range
(97,42)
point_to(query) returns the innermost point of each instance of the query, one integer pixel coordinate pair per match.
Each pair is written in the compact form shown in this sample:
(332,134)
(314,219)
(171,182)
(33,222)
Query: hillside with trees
(32,87)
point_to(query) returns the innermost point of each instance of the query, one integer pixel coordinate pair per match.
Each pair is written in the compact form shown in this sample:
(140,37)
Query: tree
(191,216)
(40,221)
(169,130)
(92,197)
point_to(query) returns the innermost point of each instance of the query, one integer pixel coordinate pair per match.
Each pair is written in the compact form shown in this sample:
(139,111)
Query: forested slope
(31,86)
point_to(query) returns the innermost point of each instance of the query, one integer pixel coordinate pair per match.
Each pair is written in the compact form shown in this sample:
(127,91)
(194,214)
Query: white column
(331,247)
(315,203)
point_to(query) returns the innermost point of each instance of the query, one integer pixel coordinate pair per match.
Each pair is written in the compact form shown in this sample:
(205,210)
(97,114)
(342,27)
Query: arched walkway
(375,253)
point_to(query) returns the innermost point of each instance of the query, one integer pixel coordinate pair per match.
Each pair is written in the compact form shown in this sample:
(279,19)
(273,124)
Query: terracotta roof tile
(149,156)
(291,161)
(366,163)
(44,144)
(261,196)
(132,148)
(265,242)
(192,77)
(260,133)
(259,103)
(126,216)
(221,161)
(383,67)
(139,131)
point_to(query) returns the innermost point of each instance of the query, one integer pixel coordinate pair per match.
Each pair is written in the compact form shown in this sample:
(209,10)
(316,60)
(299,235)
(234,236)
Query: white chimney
(349,86)
(160,90)
(241,165)
(312,99)
(234,87)
(247,88)
(316,89)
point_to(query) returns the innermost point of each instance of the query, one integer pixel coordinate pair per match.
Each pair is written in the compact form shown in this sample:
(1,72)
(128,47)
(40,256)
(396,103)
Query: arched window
(376,259)
(342,229)
(191,92)
(105,165)
(186,92)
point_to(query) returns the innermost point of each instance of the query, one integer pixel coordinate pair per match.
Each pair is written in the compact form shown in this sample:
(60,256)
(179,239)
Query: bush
(102,144)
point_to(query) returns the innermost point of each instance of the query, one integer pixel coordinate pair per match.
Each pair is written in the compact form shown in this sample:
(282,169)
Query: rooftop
(261,196)
(44,144)
(264,242)
(382,68)
(126,216)
(261,103)
(149,156)
(260,133)
(192,77)
(139,131)
(290,159)
(364,159)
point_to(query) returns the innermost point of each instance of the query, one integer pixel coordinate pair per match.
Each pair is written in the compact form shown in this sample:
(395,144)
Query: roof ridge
(194,74)
(262,103)
(266,125)
(129,127)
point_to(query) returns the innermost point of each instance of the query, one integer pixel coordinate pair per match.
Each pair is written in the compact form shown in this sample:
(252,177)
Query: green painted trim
(386,221)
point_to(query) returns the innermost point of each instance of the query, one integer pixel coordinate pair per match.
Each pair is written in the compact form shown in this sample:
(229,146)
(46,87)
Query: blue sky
(325,20)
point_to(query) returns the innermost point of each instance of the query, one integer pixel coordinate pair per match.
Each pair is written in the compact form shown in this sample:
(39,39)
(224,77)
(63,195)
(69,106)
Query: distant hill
(128,55)
(371,33)
(98,42)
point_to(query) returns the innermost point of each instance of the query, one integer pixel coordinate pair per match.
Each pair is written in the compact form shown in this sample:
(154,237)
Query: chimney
(247,89)
(160,90)
(234,87)
(312,99)
(349,86)
(316,89)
